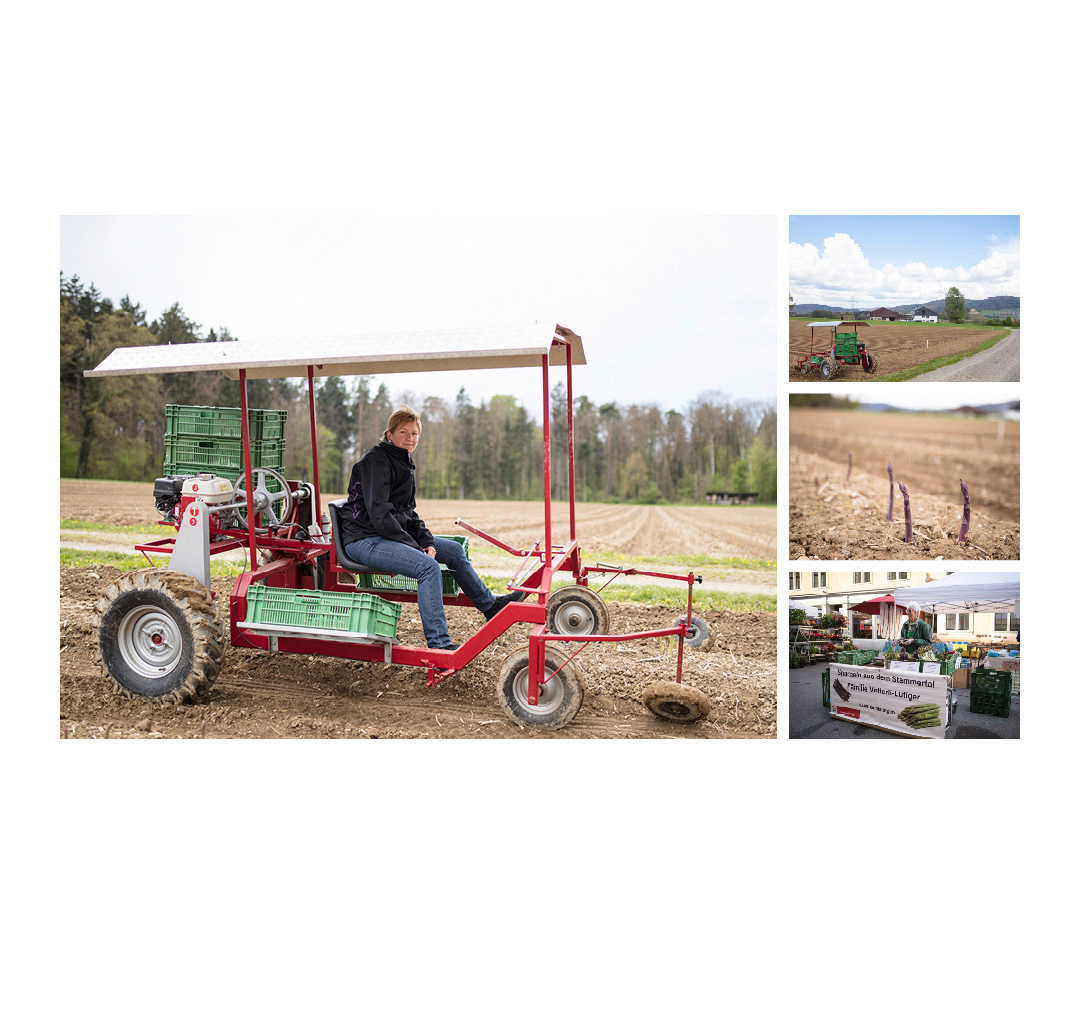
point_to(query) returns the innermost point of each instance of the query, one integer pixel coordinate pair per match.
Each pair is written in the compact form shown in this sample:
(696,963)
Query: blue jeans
(394,557)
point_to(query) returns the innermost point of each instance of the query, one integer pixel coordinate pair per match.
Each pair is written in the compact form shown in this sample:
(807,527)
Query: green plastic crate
(846,345)
(406,584)
(217,454)
(825,687)
(202,420)
(331,610)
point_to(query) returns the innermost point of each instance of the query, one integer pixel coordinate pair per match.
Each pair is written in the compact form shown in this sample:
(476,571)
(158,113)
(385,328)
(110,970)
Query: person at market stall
(380,529)
(915,632)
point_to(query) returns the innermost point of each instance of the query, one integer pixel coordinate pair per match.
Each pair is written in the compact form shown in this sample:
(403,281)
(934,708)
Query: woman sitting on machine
(380,529)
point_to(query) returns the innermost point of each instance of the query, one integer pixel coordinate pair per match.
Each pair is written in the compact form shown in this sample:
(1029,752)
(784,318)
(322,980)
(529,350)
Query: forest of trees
(114,428)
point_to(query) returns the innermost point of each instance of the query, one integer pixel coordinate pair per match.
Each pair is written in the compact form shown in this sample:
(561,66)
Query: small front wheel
(560,696)
(675,701)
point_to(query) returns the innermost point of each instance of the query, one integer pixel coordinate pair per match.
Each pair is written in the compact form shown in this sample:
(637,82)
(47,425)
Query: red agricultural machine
(845,347)
(159,634)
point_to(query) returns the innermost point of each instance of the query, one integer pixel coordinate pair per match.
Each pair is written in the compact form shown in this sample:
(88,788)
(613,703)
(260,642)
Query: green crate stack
(201,438)
(406,584)
(991,692)
(329,610)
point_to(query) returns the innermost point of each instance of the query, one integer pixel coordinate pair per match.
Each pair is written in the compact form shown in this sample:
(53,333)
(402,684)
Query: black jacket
(382,499)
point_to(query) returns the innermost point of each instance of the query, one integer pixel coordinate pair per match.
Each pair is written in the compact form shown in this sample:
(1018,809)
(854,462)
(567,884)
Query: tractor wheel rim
(150,642)
(574,618)
(549,697)
(673,709)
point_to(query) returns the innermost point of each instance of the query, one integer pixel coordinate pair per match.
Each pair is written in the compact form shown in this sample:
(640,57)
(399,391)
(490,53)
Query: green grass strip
(937,363)
(88,525)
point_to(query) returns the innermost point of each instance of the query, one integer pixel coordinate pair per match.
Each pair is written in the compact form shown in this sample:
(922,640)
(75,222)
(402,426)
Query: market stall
(974,592)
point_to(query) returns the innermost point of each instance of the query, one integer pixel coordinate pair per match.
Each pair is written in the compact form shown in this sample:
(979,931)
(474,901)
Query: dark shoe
(452,646)
(501,602)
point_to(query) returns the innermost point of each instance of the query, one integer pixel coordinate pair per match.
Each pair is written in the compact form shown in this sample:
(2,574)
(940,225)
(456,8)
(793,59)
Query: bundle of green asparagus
(927,715)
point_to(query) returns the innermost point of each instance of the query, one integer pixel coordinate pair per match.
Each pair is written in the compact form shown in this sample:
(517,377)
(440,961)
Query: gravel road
(999,364)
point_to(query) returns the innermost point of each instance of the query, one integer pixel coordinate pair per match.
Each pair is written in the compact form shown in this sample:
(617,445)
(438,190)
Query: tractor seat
(343,560)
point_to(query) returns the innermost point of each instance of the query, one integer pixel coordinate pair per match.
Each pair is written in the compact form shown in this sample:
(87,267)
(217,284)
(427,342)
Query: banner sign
(913,702)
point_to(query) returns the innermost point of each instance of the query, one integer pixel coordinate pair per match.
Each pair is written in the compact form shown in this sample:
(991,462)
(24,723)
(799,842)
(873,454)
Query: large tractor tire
(871,363)
(577,611)
(674,701)
(560,697)
(158,636)
(829,368)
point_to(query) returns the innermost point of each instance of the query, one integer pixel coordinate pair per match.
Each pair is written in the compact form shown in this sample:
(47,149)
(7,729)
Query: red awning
(873,606)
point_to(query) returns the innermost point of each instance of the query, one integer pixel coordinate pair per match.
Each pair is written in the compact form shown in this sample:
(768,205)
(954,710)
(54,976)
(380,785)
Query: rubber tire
(698,636)
(805,368)
(512,691)
(674,701)
(181,602)
(829,368)
(871,363)
(569,603)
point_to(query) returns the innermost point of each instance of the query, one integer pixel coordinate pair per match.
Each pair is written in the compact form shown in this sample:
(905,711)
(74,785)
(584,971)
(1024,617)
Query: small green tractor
(845,348)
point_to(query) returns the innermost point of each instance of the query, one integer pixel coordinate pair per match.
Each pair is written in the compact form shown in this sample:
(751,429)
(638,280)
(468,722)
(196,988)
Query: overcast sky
(891,260)
(667,308)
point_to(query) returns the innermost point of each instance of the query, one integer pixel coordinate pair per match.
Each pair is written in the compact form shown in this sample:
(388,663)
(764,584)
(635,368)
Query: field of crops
(836,516)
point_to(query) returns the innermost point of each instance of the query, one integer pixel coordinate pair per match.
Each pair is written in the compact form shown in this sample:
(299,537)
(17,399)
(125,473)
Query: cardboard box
(1002,663)
(961,678)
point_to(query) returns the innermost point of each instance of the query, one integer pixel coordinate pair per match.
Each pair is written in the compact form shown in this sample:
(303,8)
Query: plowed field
(895,347)
(833,516)
(262,695)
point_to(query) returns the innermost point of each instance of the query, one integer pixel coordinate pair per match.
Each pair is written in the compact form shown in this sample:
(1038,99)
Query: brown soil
(895,347)
(262,695)
(835,517)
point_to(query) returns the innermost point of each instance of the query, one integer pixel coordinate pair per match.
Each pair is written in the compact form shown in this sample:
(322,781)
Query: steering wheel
(271,499)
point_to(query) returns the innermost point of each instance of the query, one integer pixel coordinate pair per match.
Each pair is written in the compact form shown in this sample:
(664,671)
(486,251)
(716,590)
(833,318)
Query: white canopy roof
(365,354)
(811,611)
(964,592)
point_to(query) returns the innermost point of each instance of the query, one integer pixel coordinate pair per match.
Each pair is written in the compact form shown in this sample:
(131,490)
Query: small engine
(174,493)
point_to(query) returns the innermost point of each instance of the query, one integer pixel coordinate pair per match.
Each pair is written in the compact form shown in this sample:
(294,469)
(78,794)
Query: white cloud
(840,272)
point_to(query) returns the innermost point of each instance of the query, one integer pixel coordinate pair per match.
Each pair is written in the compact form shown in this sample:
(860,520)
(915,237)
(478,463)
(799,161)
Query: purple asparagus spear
(848,468)
(889,516)
(966,522)
(907,512)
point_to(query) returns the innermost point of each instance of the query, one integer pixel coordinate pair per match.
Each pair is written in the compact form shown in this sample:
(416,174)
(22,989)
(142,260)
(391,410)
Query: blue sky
(899,259)
(648,294)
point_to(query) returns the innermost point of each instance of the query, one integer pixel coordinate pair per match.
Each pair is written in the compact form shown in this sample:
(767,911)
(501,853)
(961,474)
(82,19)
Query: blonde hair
(400,416)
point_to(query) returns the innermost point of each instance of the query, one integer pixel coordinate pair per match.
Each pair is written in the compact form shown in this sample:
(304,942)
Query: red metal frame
(285,571)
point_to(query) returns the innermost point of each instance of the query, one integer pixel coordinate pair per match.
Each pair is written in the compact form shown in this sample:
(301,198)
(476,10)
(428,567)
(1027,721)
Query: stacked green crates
(825,687)
(406,584)
(200,439)
(326,610)
(991,692)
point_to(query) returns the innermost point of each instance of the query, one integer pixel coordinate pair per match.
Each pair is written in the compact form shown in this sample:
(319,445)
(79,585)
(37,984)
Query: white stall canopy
(811,611)
(960,592)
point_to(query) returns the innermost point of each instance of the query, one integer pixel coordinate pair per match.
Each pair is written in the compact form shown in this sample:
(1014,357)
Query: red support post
(317,518)
(570,437)
(245,430)
(547,466)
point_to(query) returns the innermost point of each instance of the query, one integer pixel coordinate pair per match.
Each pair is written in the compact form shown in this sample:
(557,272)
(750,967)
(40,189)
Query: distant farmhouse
(731,498)
(882,313)
(924,315)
